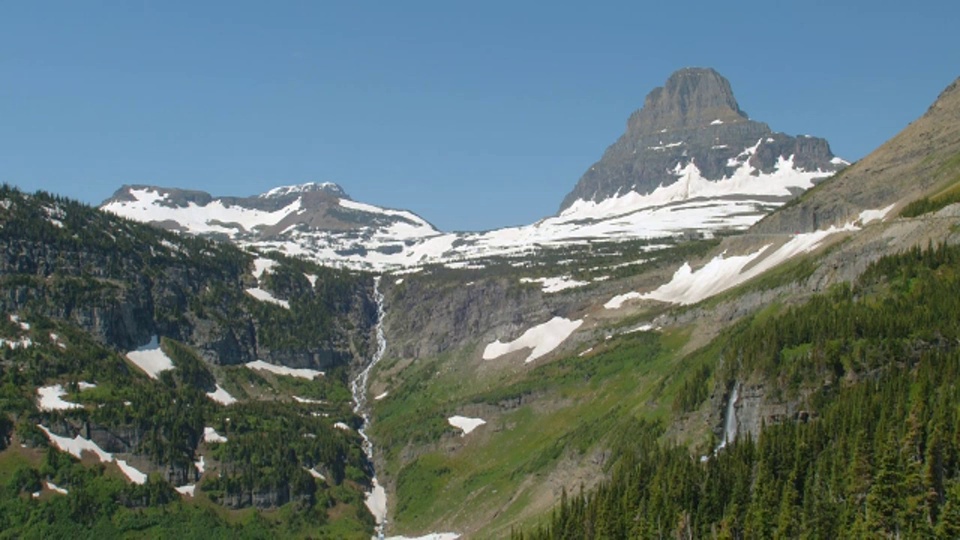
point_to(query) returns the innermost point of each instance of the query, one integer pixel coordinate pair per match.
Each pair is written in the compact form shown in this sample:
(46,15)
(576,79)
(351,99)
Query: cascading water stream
(377,497)
(730,418)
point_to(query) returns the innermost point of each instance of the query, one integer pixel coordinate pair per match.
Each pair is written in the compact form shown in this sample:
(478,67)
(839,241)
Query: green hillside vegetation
(89,285)
(880,458)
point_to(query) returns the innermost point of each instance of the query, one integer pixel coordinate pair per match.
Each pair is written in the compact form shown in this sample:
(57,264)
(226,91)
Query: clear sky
(474,115)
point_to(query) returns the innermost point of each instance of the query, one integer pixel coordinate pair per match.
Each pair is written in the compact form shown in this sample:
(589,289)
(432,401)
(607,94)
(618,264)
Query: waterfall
(376,499)
(730,418)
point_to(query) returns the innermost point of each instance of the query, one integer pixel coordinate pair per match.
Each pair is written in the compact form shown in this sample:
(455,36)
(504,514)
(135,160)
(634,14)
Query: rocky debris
(694,118)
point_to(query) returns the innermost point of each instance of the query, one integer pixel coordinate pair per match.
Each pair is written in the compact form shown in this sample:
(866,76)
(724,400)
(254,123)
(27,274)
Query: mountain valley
(677,352)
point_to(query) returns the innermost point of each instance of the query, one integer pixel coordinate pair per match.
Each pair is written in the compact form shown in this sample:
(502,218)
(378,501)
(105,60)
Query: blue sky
(474,115)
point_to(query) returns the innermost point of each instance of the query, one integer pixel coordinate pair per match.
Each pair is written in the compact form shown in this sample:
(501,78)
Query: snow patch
(16,319)
(51,399)
(221,396)
(617,301)
(307,400)
(53,487)
(77,445)
(690,286)
(265,296)
(341,425)
(542,338)
(465,423)
(187,490)
(716,122)
(302,373)
(150,358)
(431,536)
(261,265)
(376,501)
(556,284)
(132,472)
(210,435)
(380,396)
(873,215)
(839,161)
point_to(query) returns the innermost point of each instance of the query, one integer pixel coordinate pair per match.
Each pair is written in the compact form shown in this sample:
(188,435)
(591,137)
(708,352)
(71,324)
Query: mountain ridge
(693,118)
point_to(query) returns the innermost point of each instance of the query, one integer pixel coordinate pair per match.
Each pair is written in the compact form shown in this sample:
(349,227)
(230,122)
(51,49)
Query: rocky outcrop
(693,118)
(124,283)
(923,158)
(427,316)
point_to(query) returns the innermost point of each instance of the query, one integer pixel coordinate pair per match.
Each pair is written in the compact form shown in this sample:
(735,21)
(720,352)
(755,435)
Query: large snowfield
(397,239)
(150,358)
(689,286)
(541,339)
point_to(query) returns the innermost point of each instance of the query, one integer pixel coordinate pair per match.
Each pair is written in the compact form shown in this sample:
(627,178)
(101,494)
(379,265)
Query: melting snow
(210,435)
(690,286)
(77,445)
(51,399)
(16,319)
(53,487)
(465,424)
(221,396)
(307,400)
(376,502)
(665,146)
(620,299)
(216,217)
(431,536)
(132,473)
(22,343)
(839,161)
(265,296)
(261,265)
(556,284)
(150,358)
(302,373)
(873,215)
(542,339)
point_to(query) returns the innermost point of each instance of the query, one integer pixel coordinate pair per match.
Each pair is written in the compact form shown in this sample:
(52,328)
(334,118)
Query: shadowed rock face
(695,118)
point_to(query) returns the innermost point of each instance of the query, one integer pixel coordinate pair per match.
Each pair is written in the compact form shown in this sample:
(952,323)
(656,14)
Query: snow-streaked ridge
(398,239)
(689,286)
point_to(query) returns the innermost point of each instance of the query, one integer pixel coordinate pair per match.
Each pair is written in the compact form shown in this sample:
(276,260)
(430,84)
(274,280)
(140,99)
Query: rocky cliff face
(693,119)
(124,283)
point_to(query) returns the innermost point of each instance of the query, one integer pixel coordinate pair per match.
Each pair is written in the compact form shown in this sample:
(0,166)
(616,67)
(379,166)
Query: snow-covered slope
(678,169)
(332,229)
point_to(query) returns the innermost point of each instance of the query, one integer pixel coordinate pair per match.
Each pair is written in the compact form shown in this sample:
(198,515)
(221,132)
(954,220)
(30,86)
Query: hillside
(154,383)
(563,379)
(640,354)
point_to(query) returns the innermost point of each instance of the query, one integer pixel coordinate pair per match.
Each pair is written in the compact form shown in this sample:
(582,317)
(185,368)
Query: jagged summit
(691,97)
(695,121)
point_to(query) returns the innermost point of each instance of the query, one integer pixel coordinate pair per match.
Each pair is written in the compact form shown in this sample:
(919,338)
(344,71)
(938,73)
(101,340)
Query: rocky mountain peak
(692,127)
(691,97)
(328,188)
